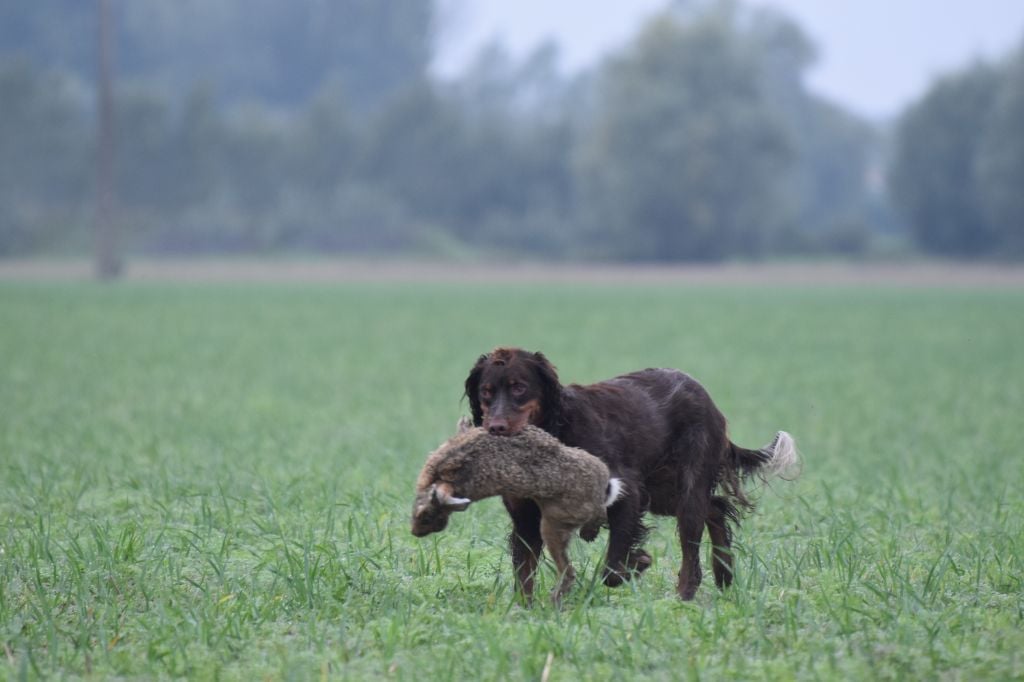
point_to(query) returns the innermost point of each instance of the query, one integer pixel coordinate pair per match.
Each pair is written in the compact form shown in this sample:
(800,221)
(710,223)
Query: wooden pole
(108,261)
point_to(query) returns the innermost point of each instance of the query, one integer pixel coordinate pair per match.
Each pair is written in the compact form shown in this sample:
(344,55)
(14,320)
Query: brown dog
(656,429)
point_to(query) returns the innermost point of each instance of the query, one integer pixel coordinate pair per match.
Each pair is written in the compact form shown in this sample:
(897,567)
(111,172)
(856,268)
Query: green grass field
(215,482)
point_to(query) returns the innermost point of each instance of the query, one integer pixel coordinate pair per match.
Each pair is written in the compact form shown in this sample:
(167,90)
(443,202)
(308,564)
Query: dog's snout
(498,427)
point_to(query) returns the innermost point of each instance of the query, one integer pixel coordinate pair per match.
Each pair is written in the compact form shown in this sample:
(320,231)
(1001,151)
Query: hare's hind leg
(556,537)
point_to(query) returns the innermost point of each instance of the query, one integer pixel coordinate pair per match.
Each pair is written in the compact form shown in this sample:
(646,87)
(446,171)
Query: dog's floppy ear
(473,389)
(551,393)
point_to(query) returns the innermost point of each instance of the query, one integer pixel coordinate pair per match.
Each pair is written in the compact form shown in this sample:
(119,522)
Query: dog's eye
(486,393)
(518,389)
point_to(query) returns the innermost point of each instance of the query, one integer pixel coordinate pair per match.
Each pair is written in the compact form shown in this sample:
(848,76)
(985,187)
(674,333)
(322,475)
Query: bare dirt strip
(922,274)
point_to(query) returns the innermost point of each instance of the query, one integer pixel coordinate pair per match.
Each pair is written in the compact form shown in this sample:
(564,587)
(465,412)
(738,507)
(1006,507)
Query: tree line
(256,126)
(958,164)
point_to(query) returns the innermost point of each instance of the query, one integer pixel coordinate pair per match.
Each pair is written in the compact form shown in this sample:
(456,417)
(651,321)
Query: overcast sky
(875,55)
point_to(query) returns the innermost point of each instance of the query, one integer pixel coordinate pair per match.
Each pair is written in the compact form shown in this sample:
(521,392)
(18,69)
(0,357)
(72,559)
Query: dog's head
(510,388)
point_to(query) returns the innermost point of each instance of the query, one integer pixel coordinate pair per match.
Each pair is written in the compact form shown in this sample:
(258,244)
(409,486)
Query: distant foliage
(1001,161)
(834,205)
(934,175)
(45,155)
(684,159)
(262,126)
(958,166)
(54,34)
(276,53)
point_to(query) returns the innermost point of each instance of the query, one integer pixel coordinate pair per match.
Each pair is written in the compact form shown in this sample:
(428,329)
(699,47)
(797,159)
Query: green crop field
(214,481)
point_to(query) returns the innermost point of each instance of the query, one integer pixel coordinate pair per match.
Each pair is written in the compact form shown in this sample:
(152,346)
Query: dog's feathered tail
(778,458)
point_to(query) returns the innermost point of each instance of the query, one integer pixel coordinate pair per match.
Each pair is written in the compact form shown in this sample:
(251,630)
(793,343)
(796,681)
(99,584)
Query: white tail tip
(784,458)
(615,490)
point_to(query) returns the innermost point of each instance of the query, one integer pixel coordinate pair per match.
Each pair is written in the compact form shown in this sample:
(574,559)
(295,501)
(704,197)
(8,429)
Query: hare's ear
(458,503)
(442,494)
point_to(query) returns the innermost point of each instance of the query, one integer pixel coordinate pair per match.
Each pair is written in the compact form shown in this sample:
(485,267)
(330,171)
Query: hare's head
(434,504)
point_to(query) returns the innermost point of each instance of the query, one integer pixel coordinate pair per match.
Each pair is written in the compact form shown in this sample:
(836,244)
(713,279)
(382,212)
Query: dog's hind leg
(691,518)
(720,514)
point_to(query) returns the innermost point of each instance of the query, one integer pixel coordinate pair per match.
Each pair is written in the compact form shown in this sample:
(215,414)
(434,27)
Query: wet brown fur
(656,429)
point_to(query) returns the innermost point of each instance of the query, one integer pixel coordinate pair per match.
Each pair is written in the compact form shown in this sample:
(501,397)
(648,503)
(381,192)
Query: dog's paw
(614,578)
(639,560)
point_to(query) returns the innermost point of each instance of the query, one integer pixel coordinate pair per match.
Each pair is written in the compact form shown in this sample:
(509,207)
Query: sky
(875,56)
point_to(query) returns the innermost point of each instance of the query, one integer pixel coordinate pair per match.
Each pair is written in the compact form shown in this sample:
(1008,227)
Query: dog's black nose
(498,427)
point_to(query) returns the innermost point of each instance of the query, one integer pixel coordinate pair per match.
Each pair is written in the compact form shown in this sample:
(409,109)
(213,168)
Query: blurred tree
(415,150)
(324,146)
(276,52)
(685,157)
(1000,163)
(486,173)
(497,86)
(282,52)
(834,150)
(520,125)
(169,157)
(45,152)
(56,34)
(934,175)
